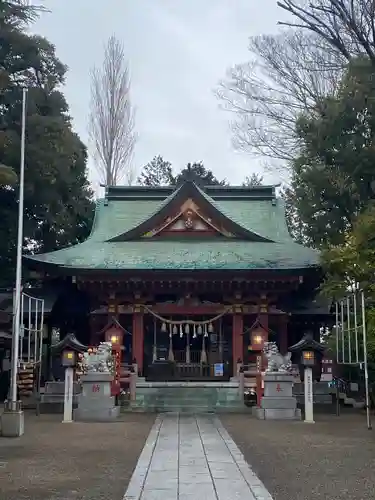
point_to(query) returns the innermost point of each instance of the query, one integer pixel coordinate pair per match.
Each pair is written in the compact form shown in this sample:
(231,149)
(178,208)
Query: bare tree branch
(111,120)
(288,74)
(346,25)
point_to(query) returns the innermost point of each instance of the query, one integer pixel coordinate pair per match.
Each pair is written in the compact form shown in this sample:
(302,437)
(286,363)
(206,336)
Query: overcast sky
(178,50)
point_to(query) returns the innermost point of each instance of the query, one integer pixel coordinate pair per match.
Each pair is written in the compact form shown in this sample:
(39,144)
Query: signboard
(309,404)
(219,369)
(68,395)
(309,386)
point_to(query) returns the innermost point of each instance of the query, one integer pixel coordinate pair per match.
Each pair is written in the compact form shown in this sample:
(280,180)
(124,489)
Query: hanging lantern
(199,330)
(210,328)
(174,330)
(205,331)
(163,327)
(181,331)
(187,328)
(258,338)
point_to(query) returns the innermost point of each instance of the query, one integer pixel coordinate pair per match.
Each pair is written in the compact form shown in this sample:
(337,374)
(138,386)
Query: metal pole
(342,331)
(22,329)
(29,333)
(369,426)
(349,329)
(36,338)
(337,333)
(154,351)
(356,328)
(40,364)
(18,291)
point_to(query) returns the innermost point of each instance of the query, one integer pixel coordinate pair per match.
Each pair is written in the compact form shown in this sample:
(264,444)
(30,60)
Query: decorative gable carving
(189,219)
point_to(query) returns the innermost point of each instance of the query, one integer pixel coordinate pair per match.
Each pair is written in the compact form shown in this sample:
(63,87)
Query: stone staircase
(325,396)
(348,397)
(321,393)
(188,397)
(52,398)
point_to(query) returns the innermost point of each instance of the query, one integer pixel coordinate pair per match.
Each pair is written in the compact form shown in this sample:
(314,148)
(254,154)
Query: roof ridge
(131,192)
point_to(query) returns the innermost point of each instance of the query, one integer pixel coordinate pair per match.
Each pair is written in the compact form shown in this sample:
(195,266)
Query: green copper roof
(256,210)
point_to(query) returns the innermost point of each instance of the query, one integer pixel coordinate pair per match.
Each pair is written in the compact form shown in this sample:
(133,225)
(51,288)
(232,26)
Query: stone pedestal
(278,402)
(95,403)
(12,423)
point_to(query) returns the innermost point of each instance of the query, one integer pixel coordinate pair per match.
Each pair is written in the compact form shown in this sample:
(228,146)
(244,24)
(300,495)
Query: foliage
(7,176)
(353,263)
(295,225)
(58,206)
(158,172)
(253,181)
(16,14)
(332,178)
(199,174)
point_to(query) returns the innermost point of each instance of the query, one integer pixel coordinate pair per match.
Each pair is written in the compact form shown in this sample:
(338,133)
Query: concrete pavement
(192,457)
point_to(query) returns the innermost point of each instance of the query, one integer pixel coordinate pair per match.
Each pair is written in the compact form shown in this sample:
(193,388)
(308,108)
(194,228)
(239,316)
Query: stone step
(192,400)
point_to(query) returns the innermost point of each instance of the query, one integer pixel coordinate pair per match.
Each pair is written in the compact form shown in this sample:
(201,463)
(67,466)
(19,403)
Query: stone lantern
(69,349)
(69,344)
(310,355)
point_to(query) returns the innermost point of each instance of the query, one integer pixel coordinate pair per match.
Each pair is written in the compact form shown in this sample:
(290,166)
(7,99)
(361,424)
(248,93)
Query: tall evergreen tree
(58,205)
(199,174)
(333,177)
(158,172)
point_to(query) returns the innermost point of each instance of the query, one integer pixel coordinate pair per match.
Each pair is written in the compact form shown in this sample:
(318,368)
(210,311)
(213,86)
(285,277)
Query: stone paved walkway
(188,458)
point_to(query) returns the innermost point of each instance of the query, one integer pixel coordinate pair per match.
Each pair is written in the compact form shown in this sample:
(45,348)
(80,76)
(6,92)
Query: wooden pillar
(94,329)
(137,338)
(284,334)
(237,338)
(263,315)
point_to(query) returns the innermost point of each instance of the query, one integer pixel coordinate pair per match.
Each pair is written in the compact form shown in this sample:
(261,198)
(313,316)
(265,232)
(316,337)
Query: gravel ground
(79,461)
(333,459)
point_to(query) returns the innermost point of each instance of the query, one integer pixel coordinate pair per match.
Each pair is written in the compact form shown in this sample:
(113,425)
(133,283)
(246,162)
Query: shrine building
(185,274)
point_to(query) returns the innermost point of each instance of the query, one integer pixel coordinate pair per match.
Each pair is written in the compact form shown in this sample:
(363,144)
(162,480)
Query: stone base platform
(188,397)
(276,414)
(96,404)
(278,402)
(100,415)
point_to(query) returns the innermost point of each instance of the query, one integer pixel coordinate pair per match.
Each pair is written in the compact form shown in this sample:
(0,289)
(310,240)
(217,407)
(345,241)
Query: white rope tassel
(203,352)
(170,352)
(194,332)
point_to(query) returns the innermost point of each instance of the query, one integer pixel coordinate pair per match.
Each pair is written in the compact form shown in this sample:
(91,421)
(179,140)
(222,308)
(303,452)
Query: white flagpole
(18,290)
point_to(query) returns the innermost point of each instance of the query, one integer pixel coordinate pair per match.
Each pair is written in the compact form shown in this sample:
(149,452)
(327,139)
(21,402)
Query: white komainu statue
(276,361)
(100,361)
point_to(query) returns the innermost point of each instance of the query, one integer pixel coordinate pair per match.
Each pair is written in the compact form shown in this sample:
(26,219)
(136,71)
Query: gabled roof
(254,216)
(173,202)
